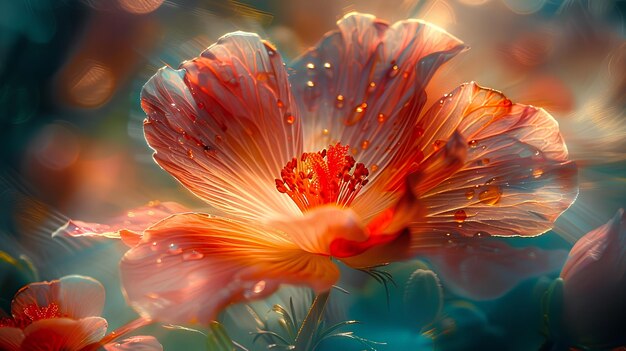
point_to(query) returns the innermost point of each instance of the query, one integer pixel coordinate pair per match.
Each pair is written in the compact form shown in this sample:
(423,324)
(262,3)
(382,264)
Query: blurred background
(71,142)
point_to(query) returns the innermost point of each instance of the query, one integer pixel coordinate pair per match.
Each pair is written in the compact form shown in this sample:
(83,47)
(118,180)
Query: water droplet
(460,216)
(159,260)
(365,144)
(491,195)
(190,153)
(310,65)
(192,255)
(326,64)
(486,161)
(310,84)
(271,52)
(340,99)
(537,173)
(374,168)
(473,144)
(469,194)
(354,151)
(154,246)
(325,131)
(130,214)
(200,105)
(438,144)
(173,104)
(361,108)
(537,153)
(381,118)
(218,139)
(150,213)
(280,103)
(174,249)
(479,235)
(405,74)
(490,181)
(483,147)
(419,131)
(372,87)
(394,70)
(289,118)
(258,287)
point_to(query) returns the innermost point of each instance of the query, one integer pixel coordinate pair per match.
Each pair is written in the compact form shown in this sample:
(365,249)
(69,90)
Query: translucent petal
(363,84)
(63,334)
(225,124)
(189,266)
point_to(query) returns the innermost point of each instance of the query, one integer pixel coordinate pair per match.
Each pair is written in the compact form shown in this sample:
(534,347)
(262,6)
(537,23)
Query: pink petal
(63,334)
(189,266)
(333,84)
(516,179)
(76,297)
(135,343)
(126,226)
(225,124)
(483,268)
(11,338)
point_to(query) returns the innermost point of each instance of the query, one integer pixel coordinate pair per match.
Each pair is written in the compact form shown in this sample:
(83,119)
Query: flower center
(323,177)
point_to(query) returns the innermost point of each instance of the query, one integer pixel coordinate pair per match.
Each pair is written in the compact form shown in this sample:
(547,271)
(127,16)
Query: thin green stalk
(306,334)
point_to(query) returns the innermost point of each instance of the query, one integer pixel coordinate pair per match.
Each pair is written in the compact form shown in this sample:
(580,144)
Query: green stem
(306,333)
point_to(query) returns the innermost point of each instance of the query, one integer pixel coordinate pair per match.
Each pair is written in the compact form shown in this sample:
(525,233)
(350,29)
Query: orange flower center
(323,177)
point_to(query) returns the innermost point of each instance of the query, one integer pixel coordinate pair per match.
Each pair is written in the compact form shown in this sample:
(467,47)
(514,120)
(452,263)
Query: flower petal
(516,179)
(124,226)
(135,343)
(11,338)
(63,334)
(189,266)
(486,268)
(225,124)
(76,297)
(363,84)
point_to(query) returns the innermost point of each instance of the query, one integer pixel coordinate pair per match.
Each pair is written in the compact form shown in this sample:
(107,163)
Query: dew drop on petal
(371,87)
(255,290)
(174,249)
(473,144)
(325,131)
(279,103)
(310,84)
(192,255)
(374,168)
(310,65)
(365,144)
(537,173)
(438,144)
(491,195)
(394,70)
(381,118)
(201,105)
(154,246)
(460,216)
(190,153)
(326,64)
(339,102)
(469,194)
(289,118)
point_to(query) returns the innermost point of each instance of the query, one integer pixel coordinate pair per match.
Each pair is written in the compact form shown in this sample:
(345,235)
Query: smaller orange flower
(62,315)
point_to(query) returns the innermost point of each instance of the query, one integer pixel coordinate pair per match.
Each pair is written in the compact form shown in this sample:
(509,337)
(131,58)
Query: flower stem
(306,334)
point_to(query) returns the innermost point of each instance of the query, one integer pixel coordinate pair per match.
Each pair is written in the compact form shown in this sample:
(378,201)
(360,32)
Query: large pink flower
(62,315)
(336,159)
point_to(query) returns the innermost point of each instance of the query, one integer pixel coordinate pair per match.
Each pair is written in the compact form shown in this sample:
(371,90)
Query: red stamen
(324,177)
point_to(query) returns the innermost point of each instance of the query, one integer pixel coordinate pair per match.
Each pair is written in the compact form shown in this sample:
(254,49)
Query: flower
(594,286)
(62,315)
(337,159)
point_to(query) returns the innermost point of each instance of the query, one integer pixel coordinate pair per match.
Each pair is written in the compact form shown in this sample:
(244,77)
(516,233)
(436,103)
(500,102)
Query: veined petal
(11,338)
(363,84)
(63,334)
(135,343)
(225,124)
(189,266)
(516,179)
(75,297)
(133,221)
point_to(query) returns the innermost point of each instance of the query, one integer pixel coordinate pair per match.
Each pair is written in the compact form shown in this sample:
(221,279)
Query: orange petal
(76,297)
(516,179)
(135,343)
(363,84)
(11,338)
(127,226)
(189,266)
(63,334)
(225,124)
